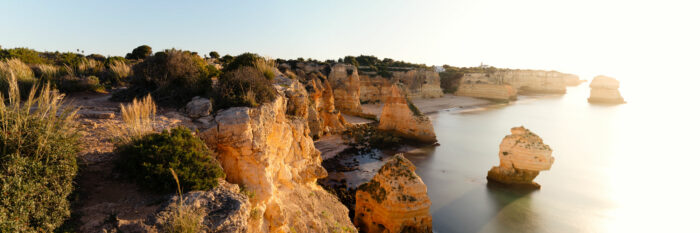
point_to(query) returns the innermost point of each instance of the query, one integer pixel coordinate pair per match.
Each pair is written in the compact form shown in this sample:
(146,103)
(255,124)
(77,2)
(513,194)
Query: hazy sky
(584,37)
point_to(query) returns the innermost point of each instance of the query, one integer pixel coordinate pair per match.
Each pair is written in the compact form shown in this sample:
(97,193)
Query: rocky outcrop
(605,90)
(419,83)
(346,88)
(523,155)
(400,116)
(198,107)
(572,79)
(272,155)
(323,117)
(480,86)
(374,89)
(222,209)
(395,200)
(535,81)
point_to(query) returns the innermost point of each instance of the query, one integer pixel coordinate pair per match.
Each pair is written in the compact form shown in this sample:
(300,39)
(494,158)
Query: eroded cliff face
(401,117)
(480,86)
(323,117)
(605,90)
(523,155)
(271,154)
(395,200)
(374,89)
(346,88)
(419,83)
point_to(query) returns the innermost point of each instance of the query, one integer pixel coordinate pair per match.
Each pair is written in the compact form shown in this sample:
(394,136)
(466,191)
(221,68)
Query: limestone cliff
(480,86)
(523,155)
(400,116)
(537,81)
(419,83)
(374,89)
(605,90)
(272,156)
(395,200)
(323,117)
(346,88)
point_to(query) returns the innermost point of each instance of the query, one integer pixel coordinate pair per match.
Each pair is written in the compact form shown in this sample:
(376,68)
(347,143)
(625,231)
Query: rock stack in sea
(395,200)
(523,155)
(400,116)
(605,90)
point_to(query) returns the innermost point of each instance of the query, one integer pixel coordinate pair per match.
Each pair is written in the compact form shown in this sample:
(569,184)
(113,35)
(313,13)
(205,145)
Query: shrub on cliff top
(243,87)
(140,52)
(38,145)
(244,59)
(148,159)
(172,77)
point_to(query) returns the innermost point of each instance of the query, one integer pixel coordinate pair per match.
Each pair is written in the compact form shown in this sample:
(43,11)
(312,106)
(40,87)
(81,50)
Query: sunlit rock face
(374,89)
(571,79)
(323,117)
(419,83)
(480,86)
(346,88)
(268,150)
(537,81)
(605,90)
(523,155)
(403,118)
(395,200)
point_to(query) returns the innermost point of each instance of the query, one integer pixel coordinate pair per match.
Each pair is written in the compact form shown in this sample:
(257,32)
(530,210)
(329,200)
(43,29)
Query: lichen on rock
(395,200)
(522,156)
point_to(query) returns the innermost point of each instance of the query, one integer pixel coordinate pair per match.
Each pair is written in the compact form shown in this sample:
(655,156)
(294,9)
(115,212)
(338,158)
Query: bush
(147,160)
(69,84)
(245,59)
(38,147)
(140,52)
(172,77)
(138,117)
(244,87)
(214,54)
(17,70)
(26,55)
(117,71)
(266,67)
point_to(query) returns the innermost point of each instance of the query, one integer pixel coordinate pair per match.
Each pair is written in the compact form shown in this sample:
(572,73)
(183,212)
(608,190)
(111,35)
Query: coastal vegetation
(38,147)
(245,86)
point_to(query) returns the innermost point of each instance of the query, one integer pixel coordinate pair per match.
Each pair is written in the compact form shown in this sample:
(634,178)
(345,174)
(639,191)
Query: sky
(619,38)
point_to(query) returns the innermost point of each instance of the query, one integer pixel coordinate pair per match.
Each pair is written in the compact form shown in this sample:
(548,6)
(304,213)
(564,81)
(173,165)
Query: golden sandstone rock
(480,86)
(395,200)
(323,117)
(523,155)
(605,90)
(346,88)
(419,83)
(272,156)
(400,116)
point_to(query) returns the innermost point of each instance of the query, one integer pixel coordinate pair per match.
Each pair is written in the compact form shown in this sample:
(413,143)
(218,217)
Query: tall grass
(20,72)
(184,219)
(266,66)
(38,145)
(46,71)
(138,117)
(119,69)
(88,67)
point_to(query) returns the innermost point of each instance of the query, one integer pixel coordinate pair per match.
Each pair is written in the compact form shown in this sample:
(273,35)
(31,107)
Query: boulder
(198,107)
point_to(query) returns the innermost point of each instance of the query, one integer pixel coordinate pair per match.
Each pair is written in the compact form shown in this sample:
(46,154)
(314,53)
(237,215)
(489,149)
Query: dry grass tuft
(90,67)
(15,69)
(120,69)
(139,119)
(184,219)
(46,71)
(266,66)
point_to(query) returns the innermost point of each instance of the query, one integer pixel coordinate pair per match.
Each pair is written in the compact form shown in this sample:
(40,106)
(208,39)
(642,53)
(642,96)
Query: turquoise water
(623,168)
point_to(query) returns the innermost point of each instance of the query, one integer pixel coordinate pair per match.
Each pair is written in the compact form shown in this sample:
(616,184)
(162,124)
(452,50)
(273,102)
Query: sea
(633,167)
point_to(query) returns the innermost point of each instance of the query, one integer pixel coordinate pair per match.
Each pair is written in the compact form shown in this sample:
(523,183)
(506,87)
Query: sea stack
(400,116)
(523,155)
(395,200)
(605,90)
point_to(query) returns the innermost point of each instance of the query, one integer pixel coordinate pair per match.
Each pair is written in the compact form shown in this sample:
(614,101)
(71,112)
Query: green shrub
(147,160)
(243,87)
(245,59)
(214,54)
(172,77)
(69,84)
(38,147)
(140,52)
(26,55)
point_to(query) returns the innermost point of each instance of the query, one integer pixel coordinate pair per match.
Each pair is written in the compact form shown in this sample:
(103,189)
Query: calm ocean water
(624,168)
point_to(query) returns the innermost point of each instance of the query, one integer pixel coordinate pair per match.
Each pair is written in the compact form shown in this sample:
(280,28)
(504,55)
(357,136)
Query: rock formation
(272,155)
(605,90)
(400,116)
(523,155)
(374,89)
(346,88)
(323,117)
(480,86)
(198,107)
(536,81)
(224,209)
(419,83)
(395,200)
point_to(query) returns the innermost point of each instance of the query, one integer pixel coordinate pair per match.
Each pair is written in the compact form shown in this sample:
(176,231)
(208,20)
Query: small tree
(140,52)
(214,54)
